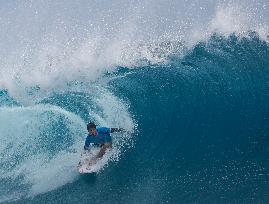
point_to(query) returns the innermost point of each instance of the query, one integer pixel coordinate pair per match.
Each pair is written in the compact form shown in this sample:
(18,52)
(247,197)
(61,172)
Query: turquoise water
(187,80)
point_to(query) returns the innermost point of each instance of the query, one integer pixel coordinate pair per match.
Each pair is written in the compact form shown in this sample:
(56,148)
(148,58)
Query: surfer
(99,137)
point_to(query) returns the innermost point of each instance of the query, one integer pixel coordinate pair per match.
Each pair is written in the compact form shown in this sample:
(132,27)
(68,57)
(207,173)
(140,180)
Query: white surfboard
(86,163)
(86,168)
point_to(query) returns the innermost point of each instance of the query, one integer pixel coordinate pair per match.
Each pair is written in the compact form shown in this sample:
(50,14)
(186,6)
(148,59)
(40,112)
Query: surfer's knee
(107,145)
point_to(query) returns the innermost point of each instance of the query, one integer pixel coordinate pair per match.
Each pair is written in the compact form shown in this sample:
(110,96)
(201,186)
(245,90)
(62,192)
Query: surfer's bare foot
(92,162)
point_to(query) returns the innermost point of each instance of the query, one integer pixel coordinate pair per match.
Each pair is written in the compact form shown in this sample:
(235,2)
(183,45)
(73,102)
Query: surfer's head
(91,127)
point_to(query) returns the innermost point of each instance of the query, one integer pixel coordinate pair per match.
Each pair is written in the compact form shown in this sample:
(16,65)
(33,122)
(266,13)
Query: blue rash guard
(103,136)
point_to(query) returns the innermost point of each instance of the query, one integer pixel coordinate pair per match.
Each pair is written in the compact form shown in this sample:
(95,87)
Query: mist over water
(187,79)
(48,43)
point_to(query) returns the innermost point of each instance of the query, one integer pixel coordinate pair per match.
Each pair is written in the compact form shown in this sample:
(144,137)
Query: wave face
(203,125)
(194,99)
(202,132)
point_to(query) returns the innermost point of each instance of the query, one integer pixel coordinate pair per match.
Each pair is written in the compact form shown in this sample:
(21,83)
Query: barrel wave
(197,131)
(203,125)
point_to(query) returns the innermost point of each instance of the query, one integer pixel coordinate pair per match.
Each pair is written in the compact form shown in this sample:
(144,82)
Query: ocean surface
(196,113)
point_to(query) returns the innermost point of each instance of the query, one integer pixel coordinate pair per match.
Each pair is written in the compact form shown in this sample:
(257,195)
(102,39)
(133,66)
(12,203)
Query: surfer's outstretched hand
(116,130)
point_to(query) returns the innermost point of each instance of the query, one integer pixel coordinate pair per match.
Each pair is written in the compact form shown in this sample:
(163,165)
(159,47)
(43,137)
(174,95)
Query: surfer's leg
(103,149)
(101,153)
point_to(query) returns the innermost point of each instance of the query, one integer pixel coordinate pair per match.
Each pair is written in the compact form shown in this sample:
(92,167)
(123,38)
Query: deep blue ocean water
(199,131)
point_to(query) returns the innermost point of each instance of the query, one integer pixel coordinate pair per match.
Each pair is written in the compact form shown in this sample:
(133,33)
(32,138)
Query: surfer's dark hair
(91,125)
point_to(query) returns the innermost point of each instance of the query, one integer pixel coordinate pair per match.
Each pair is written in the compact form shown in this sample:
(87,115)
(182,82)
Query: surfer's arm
(116,130)
(87,143)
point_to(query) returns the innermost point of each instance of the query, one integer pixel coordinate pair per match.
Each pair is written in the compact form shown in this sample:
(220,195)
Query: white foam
(232,17)
(43,169)
(40,169)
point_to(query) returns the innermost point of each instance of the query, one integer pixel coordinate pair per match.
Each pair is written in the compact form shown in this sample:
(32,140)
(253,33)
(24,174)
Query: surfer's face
(92,131)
